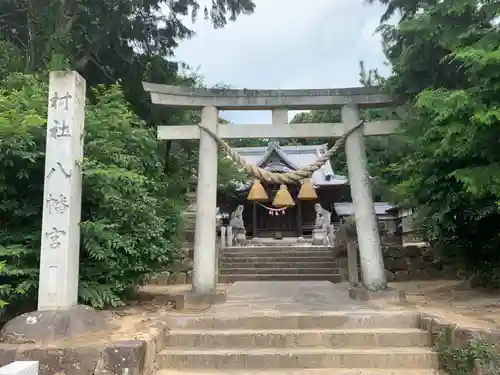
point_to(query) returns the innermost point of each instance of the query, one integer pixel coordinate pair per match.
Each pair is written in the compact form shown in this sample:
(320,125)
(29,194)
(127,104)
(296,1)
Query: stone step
(275,338)
(231,278)
(336,320)
(277,258)
(256,249)
(282,271)
(382,358)
(277,254)
(315,253)
(277,264)
(305,371)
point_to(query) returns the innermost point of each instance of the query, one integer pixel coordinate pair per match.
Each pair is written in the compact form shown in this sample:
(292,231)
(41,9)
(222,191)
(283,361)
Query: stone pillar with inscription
(58,313)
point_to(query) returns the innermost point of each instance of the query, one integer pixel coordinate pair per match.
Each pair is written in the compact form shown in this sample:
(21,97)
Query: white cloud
(287,44)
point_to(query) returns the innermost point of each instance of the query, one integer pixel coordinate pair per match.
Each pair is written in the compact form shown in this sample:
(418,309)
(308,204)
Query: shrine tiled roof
(294,157)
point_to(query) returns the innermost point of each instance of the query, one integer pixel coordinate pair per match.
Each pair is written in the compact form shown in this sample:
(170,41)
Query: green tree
(110,41)
(102,37)
(445,57)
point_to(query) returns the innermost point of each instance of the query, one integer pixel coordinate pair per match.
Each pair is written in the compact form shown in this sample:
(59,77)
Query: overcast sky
(287,44)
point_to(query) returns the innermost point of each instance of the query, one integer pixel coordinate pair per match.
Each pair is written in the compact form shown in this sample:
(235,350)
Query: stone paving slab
(291,338)
(274,358)
(245,297)
(303,372)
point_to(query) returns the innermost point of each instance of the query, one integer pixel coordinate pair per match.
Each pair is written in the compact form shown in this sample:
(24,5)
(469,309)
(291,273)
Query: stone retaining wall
(172,278)
(402,262)
(460,336)
(180,272)
(134,357)
(408,263)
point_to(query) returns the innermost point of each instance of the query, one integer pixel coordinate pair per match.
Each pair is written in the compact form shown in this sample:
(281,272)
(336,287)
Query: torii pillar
(205,235)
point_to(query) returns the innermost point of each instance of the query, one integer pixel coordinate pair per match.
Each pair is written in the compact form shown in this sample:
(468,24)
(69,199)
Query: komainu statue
(323,233)
(323,217)
(238,226)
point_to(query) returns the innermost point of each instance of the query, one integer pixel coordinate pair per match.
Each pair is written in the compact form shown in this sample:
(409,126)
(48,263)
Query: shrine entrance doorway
(271,222)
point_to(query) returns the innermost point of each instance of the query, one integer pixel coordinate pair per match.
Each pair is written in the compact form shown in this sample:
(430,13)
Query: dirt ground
(453,301)
(136,321)
(472,308)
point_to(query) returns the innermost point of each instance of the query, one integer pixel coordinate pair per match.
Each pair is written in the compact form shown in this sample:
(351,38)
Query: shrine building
(262,219)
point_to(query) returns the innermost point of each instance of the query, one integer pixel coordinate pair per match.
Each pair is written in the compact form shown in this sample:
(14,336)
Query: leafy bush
(129,227)
(475,357)
(23,103)
(11,59)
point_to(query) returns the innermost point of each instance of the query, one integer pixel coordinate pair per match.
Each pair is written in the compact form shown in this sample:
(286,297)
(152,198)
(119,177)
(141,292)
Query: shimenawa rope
(272,209)
(282,178)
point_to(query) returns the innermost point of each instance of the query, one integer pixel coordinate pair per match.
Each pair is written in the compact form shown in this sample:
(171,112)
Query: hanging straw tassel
(257,192)
(283,198)
(307,191)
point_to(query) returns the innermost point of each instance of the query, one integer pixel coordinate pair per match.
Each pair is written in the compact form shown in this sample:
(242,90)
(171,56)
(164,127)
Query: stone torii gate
(210,101)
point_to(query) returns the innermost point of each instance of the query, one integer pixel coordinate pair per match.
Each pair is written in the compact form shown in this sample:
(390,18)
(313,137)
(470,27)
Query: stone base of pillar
(319,237)
(389,294)
(51,325)
(199,301)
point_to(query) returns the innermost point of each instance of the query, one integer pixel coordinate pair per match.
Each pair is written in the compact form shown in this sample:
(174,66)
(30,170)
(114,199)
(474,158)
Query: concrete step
(231,278)
(336,320)
(282,271)
(277,264)
(276,258)
(274,252)
(304,255)
(275,338)
(305,371)
(263,249)
(381,358)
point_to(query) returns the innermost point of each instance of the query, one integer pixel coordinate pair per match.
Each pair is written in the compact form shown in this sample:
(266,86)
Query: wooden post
(299,218)
(352,262)
(254,219)
(229,236)
(223,237)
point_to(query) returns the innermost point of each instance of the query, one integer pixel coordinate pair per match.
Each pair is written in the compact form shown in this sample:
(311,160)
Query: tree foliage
(110,41)
(445,59)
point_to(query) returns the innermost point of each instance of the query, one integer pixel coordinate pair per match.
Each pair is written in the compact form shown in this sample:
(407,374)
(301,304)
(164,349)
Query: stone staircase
(348,343)
(279,263)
